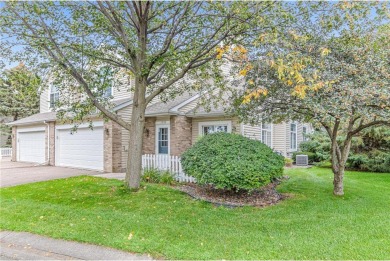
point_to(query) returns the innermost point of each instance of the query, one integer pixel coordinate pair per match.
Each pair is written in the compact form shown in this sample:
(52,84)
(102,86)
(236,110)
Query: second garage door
(31,145)
(82,149)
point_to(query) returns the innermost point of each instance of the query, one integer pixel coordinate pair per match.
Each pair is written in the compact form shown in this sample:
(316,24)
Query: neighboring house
(4,131)
(170,129)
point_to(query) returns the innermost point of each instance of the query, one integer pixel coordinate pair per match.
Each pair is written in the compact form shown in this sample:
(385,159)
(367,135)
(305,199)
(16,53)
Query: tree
(333,71)
(166,47)
(19,94)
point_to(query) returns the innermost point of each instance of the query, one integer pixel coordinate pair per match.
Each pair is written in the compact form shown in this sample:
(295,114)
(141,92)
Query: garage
(31,144)
(80,149)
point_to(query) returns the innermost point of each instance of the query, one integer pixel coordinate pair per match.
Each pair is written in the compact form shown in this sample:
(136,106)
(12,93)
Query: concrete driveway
(16,173)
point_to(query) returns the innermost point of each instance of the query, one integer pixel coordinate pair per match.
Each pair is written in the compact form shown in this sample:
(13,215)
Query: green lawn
(312,224)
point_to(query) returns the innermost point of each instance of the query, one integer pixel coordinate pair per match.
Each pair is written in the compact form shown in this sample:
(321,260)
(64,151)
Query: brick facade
(50,144)
(180,135)
(112,147)
(52,139)
(149,144)
(181,131)
(14,143)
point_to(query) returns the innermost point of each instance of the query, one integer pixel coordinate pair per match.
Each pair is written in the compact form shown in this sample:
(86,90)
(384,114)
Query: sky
(18,48)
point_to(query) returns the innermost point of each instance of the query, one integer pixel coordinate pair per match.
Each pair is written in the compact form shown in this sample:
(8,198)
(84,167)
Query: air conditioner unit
(302,160)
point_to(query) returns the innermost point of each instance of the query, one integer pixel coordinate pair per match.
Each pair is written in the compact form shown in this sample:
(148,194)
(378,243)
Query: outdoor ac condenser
(302,160)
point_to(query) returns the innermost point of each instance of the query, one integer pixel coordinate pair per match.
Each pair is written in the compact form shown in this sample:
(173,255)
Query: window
(106,81)
(108,92)
(304,133)
(266,134)
(293,136)
(54,96)
(212,127)
(162,140)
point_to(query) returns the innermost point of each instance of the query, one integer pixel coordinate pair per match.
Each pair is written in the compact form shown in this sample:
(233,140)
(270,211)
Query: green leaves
(232,162)
(19,93)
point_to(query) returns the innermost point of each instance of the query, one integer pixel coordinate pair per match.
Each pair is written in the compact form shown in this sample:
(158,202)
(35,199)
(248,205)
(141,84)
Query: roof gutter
(122,105)
(28,123)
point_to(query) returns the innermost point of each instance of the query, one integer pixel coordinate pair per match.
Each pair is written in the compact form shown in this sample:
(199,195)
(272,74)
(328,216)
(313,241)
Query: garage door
(31,146)
(82,149)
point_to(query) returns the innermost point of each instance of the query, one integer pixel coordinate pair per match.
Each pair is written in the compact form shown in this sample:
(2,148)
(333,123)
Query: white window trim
(49,97)
(162,125)
(296,136)
(213,123)
(30,129)
(304,134)
(272,134)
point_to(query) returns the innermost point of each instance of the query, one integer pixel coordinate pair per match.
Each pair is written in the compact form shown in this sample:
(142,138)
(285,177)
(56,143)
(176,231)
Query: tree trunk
(338,182)
(338,165)
(134,160)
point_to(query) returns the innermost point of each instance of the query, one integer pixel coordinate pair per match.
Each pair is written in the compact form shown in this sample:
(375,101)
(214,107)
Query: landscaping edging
(263,197)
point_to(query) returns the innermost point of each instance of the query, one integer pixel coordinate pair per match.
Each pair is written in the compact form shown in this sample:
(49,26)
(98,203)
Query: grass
(312,224)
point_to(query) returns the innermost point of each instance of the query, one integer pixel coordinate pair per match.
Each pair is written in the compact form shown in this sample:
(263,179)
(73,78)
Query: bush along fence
(166,163)
(6,152)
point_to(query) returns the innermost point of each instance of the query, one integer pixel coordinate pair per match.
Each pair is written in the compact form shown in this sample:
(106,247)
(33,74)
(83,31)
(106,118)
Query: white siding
(189,106)
(125,114)
(123,84)
(279,137)
(44,100)
(299,133)
(253,132)
(123,90)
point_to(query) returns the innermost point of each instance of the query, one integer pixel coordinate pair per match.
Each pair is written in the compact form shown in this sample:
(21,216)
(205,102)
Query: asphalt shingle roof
(36,118)
(165,107)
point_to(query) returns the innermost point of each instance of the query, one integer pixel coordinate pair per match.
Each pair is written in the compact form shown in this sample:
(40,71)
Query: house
(171,127)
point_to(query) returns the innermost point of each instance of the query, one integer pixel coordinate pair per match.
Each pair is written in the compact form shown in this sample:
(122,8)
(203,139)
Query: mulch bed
(266,196)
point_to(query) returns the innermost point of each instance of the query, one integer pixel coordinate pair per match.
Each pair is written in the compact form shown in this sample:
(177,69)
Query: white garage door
(82,149)
(31,146)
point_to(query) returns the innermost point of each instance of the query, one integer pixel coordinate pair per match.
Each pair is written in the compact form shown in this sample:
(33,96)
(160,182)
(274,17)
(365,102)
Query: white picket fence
(6,152)
(166,162)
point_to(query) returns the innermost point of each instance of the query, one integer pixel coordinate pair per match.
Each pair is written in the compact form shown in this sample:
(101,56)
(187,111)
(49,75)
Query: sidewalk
(27,246)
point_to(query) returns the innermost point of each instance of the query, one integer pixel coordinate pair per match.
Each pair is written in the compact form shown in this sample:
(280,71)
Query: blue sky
(9,65)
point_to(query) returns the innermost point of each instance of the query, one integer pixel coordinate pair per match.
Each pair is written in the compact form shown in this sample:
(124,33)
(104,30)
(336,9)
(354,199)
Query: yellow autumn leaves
(255,95)
(289,71)
(236,52)
(246,69)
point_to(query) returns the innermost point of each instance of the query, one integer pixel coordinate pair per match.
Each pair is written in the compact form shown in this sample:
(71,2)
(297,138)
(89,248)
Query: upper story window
(106,81)
(54,96)
(266,134)
(293,136)
(304,133)
(212,127)
(108,92)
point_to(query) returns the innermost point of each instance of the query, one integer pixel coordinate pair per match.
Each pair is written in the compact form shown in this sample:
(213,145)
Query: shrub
(375,161)
(232,162)
(158,176)
(312,157)
(288,162)
(167,178)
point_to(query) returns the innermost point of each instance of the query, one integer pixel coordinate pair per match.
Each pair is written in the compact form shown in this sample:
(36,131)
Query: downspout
(48,142)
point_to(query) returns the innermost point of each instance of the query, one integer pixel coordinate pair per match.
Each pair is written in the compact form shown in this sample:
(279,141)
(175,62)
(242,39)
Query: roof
(160,108)
(202,111)
(36,118)
(120,101)
(164,108)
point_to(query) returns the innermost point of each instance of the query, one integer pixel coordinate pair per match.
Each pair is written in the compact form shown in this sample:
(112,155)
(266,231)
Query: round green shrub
(232,162)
